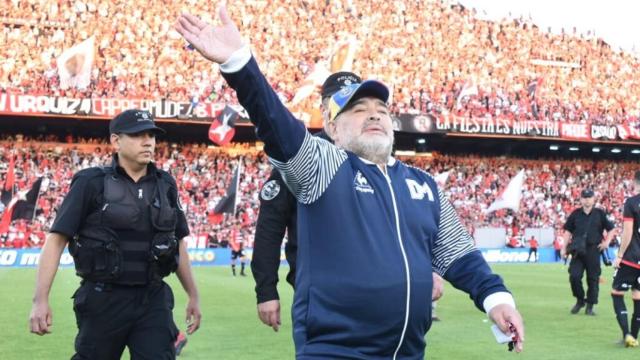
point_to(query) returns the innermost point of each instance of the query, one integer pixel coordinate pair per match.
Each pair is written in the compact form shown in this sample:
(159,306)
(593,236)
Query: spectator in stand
(550,193)
(492,59)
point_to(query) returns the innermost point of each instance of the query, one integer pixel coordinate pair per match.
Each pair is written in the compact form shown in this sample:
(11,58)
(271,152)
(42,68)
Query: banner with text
(28,258)
(508,127)
(24,104)
(21,104)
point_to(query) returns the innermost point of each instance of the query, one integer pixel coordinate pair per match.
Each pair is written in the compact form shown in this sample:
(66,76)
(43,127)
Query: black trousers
(589,262)
(112,317)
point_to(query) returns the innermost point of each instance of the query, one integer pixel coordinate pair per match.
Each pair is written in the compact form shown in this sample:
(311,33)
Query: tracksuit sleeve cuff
(498,298)
(237,60)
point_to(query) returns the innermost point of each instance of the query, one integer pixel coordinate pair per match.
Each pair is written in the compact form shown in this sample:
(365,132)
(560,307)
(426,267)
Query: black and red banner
(23,104)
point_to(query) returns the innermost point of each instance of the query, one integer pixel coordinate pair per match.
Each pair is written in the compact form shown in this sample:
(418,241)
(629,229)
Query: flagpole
(13,183)
(235,202)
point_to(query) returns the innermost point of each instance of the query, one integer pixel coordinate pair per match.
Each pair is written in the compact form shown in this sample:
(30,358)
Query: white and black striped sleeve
(309,173)
(453,241)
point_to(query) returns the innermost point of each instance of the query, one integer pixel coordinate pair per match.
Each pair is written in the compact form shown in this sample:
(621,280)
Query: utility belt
(142,292)
(107,287)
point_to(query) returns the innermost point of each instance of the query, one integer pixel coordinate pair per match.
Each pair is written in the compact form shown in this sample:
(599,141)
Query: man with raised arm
(370,228)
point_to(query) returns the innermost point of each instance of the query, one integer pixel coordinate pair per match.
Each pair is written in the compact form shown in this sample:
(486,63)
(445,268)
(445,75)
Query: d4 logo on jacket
(418,191)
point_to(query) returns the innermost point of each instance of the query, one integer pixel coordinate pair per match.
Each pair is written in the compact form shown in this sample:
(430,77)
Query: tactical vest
(104,251)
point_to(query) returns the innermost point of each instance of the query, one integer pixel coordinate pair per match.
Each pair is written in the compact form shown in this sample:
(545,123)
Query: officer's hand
(40,319)
(616,262)
(214,43)
(602,246)
(438,287)
(193,315)
(505,314)
(269,313)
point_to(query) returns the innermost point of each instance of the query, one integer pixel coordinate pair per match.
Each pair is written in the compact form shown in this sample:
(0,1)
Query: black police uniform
(278,213)
(626,277)
(586,230)
(124,240)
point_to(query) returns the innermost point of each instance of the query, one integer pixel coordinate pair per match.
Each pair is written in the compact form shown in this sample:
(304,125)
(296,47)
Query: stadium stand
(551,189)
(452,62)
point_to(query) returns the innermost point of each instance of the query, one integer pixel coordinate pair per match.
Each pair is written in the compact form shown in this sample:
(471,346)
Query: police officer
(277,215)
(584,240)
(627,265)
(124,226)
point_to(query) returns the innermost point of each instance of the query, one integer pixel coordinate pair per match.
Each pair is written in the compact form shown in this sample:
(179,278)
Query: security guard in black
(277,216)
(586,226)
(123,228)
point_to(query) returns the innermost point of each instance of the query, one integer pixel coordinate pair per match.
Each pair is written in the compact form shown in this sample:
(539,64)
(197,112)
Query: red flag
(215,218)
(6,215)
(7,188)
(6,220)
(22,206)
(221,130)
(11,177)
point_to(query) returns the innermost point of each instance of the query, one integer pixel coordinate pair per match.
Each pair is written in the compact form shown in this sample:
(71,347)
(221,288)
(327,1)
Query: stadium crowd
(551,189)
(432,53)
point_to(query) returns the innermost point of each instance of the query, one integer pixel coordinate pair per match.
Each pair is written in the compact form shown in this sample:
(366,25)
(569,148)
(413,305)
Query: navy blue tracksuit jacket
(367,241)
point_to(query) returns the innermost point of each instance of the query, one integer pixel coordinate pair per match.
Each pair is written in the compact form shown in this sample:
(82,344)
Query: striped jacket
(368,241)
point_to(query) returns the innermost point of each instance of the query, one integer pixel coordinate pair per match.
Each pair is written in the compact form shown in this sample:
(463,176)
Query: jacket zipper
(406,265)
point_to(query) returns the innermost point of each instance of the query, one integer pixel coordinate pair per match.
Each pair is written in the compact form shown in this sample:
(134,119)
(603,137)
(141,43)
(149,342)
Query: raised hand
(216,43)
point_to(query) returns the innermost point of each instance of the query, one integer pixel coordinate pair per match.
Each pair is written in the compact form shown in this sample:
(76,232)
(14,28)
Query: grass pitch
(231,330)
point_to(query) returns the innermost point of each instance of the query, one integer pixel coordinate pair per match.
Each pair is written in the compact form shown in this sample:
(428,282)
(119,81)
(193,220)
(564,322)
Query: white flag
(311,83)
(441,179)
(74,65)
(343,54)
(468,89)
(341,59)
(511,196)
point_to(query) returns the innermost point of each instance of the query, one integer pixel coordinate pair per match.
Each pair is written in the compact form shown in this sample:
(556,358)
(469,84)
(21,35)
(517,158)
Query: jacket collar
(392,161)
